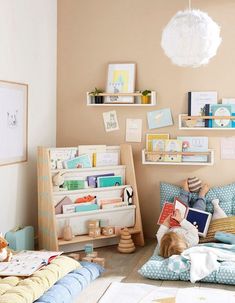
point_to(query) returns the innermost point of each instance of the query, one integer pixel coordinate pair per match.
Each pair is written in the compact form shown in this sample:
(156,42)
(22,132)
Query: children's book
(109,181)
(109,158)
(198,218)
(230,101)
(156,142)
(92,180)
(221,110)
(82,161)
(197,102)
(59,155)
(90,150)
(26,262)
(173,145)
(194,144)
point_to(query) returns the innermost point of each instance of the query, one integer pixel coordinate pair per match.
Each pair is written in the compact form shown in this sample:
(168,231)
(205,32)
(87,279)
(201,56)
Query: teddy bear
(5,254)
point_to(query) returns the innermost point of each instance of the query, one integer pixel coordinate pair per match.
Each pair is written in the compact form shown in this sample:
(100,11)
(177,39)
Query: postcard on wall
(133,130)
(156,142)
(159,118)
(110,121)
(227,148)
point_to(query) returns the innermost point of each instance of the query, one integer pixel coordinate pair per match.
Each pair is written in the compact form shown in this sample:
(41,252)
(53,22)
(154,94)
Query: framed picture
(13,122)
(121,79)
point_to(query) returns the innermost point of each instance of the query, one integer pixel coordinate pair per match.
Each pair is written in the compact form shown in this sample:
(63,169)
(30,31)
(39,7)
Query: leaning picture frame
(120,83)
(13,122)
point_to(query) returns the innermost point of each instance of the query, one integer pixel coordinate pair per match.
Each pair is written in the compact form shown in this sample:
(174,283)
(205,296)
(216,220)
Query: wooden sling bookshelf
(47,220)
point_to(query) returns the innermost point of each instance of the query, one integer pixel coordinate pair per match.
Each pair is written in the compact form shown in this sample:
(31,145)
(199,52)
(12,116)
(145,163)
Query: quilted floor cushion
(19,290)
(69,287)
(156,268)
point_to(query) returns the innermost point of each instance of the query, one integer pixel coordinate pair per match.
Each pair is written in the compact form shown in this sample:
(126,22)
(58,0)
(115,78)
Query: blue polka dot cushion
(225,194)
(158,268)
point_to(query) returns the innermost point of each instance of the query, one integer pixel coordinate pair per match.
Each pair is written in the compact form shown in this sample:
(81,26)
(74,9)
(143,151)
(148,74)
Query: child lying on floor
(173,241)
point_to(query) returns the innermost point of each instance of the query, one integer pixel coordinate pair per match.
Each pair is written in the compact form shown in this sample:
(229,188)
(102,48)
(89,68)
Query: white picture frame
(120,80)
(13,122)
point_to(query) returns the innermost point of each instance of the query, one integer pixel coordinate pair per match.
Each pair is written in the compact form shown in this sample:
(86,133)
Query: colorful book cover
(230,101)
(155,142)
(92,180)
(109,158)
(197,102)
(173,145)
(82,161)
(59,155)
(194,144)
(109,181)
(221,110)
(159,118)
(199,218)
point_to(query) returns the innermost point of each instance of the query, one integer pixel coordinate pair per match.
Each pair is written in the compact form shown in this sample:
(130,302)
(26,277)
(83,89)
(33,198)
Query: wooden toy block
(87,259)
(75,256)
(117,230)
(100,261)
(93,224)
(94,254)
(94,232)
(108,231)
(88,248)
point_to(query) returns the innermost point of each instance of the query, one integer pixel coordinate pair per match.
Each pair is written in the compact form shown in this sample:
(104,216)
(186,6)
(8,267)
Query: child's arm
(184,223)
(163,229)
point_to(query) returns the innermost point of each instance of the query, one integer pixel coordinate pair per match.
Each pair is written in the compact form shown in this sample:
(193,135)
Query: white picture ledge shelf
(187,122)
(136,95)
(209,153)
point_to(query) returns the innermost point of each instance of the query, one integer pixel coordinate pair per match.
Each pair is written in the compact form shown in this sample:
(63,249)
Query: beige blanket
(27,290)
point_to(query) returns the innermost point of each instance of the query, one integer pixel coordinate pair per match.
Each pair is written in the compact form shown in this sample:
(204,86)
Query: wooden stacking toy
(126,245)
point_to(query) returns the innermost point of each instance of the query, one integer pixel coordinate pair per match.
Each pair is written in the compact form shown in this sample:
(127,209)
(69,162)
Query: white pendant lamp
(191,38)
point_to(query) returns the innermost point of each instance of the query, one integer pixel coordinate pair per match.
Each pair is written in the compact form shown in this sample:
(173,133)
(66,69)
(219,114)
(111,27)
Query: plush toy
(5,254)
(218,211)
(58,180)
(128,195)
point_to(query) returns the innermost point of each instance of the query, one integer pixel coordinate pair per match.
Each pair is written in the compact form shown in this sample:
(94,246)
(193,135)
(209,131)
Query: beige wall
(28,54)
(93,33)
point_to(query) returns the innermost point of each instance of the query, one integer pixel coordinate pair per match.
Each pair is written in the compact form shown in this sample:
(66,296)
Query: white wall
(28,33)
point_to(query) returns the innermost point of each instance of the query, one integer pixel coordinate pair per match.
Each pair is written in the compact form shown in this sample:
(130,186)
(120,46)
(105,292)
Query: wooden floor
(124,268)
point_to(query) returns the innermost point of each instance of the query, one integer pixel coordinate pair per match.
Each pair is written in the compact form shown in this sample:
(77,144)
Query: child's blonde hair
(172,244)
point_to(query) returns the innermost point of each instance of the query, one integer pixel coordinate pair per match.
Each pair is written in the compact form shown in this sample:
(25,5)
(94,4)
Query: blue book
(221,110)
(86,207)
(92,180)
(194,144)
(109,181)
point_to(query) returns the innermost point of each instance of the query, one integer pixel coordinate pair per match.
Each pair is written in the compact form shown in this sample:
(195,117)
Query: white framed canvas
(13,122)
(121,79)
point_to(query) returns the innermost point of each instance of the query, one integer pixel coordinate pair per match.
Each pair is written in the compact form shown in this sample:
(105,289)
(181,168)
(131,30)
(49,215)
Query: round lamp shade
(191,38)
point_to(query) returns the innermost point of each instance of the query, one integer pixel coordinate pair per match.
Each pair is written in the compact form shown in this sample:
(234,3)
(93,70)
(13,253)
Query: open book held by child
(174,240)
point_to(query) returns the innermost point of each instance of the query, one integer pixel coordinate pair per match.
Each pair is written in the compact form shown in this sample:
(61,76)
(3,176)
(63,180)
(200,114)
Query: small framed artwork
(13,122)
(121,79)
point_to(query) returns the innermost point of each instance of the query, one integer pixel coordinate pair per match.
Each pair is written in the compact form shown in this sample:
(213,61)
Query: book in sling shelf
(199,218)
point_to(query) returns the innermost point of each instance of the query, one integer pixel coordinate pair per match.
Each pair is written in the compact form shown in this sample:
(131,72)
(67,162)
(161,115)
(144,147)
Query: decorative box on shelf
(189,122)
(157,157)
(115,99)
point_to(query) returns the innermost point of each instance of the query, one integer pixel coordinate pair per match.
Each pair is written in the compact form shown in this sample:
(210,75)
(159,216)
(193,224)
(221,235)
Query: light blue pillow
(226,195)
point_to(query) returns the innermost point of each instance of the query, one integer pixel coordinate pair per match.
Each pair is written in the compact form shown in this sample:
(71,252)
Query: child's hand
(167,221)
(177,216)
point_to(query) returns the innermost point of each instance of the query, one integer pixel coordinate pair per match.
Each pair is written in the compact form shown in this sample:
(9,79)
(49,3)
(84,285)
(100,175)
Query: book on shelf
(197,102)
(92,180)
(230,101)
(90,150)
(194,144)
(173,145)
(109,181)
(199,218)
(221,110)
(155,142)
(26,262)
